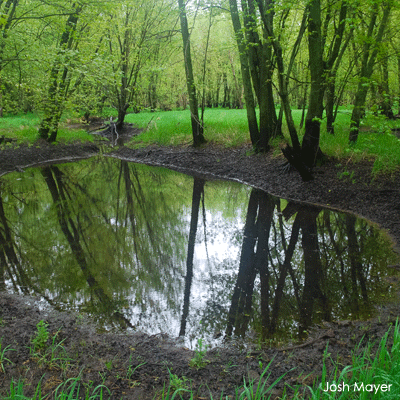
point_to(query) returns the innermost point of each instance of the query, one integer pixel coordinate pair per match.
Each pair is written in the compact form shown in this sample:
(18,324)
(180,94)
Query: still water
(153,250)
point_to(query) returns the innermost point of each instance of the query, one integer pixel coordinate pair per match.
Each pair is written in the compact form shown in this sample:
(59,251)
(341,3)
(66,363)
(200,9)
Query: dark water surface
(158,251)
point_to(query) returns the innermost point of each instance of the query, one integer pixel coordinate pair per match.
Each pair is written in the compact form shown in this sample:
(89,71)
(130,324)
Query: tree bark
(246,78)
(386,102)
(310,144)
(197,128)
(58,81)
(370,51)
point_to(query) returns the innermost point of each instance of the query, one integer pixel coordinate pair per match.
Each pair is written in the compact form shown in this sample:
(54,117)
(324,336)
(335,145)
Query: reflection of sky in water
(208,256)
(129,226)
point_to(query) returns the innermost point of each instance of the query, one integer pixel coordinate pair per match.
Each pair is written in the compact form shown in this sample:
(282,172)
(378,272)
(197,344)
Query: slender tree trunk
(386,102)
(58,81)
(259,53)
(246,78)
(197,129)
(284,76)
(370,51)
(330,104)
(398,77)
(7,13)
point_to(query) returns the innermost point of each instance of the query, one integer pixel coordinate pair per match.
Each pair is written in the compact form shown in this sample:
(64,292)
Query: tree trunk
(310,144)
(321,70)
(370,51)
(259,53)
(386,102)
(58,84)
(284,76)
(330,104)
(197,129)
(246,78)
(398,78)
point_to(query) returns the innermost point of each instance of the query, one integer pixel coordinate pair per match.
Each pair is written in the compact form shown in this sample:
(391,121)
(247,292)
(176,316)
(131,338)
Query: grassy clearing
(228,128)
(222,126)
(24,128)
(372,374)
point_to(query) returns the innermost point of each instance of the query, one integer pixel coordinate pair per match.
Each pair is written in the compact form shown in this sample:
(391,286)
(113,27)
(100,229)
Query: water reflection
(154,250)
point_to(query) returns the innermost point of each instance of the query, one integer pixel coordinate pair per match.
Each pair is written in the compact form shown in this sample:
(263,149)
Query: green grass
(24,128)
(71,389)
(375,143)
(228,128)
(222,126)
(367,370)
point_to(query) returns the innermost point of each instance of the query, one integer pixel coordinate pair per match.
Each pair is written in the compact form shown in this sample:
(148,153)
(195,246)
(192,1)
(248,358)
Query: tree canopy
(268,57)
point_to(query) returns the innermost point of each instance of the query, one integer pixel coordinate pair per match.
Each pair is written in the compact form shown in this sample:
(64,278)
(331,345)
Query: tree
(135,33)
(60,76)
(321,67)
(197,128)
(284,74)
(7,13)
(369,52)
(257,69)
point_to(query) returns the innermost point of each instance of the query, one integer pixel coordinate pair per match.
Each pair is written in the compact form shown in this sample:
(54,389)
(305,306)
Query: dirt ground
(136,366)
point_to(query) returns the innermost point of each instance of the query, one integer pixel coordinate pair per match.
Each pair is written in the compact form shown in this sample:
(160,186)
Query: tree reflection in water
(125,242)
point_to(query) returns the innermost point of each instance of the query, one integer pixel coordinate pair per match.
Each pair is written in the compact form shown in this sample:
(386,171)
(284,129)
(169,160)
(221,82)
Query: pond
(153,250)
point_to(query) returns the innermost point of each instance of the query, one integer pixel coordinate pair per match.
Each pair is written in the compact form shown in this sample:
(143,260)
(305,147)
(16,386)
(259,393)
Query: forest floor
(134,365)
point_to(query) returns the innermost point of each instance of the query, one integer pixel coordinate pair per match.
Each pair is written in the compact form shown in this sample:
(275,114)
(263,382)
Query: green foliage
(17,392)
(199,361)
(131,370)
(368,368)
(68,390)
(375,143)
(176,387)
(3,359)
(24,128)
(222,126)
(53,355)
(250,391)
(39,341)
(178,384)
